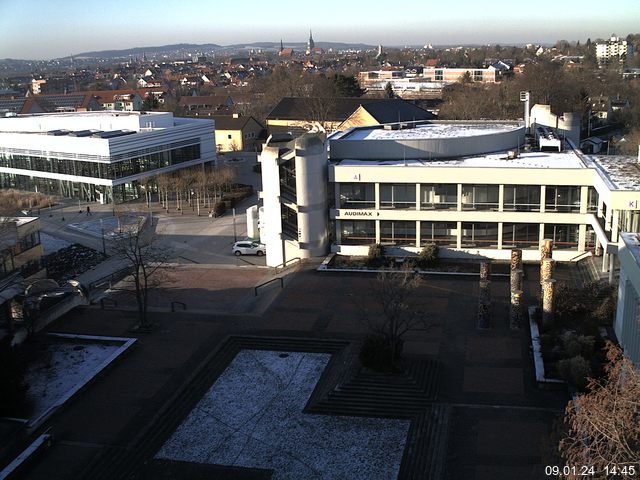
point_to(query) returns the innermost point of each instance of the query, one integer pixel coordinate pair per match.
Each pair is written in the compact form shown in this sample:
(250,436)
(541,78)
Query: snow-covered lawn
(64,368)
(252,417)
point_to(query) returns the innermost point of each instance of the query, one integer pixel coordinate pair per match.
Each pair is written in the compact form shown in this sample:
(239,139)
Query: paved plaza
(500,420)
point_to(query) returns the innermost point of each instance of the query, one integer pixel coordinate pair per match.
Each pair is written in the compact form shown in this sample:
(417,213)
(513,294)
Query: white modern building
(99,156)
(627,322)
(613,50)
(474,188)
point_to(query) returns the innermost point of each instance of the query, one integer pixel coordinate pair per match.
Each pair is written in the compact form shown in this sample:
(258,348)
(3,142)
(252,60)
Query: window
(520,235)
(562,199)
(439,75)
(358,232)
(522,198)
(563,236)
(440,233)
(357,195)
(480,235)
(480,197)
(229,136)
(398,233)
(398,196)
(289,222)
(439,196)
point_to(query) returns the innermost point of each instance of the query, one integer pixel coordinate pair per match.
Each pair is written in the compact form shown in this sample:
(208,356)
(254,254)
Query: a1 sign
(356,176)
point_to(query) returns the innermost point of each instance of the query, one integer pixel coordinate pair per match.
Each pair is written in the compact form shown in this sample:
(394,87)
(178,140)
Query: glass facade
(397,195)
(107,170)
(358,232)
(440,233)
(439,196)
(520,235)
(398,233)
(480,197)
(562,199)
(563,236)
(479,235)
(357,195)
(524,198)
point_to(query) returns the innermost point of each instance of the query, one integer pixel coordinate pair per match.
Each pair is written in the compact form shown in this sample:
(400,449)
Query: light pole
(104,246)
(235,238)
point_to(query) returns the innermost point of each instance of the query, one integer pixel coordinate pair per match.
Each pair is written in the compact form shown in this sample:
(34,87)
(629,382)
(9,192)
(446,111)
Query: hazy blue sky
(39,29)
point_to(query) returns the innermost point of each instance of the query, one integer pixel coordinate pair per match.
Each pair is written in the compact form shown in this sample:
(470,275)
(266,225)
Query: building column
(377,231)
(584,197)
(607,220)
(500,202)
(338,232)
(615,227)
(582,238)
(418,199)
(376,193)
(418,236)
(500,227)
(459,207)
(459,239)
(543,199)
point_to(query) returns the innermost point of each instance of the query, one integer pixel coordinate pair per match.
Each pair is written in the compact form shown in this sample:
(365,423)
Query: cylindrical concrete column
(516,280)
(485,270)
(547,266)
(515,310)
(548,290)
(546,249)
(516,259)
(484,305)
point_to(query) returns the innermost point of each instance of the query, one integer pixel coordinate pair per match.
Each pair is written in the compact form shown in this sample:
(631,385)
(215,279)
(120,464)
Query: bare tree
(402,311)
(603,424)
(138,245)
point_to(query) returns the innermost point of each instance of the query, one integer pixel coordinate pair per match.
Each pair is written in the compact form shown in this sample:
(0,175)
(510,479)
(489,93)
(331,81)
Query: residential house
(237,133)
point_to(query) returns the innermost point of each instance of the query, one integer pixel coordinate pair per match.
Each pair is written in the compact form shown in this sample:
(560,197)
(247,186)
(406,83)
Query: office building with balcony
(99,156)
(476,189)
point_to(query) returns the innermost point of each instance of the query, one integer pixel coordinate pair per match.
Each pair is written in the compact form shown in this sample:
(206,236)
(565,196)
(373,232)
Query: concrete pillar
(418,197)
(459,208)
(516,259)
(500,198)
(500,230)
(459,239)
(615,226)
(516,280)
(376,194)
(548,290)
(546,249)
(605,262)
(612,260)
(484,305)
(582,238)
(485,271)
(543,197)
(515,310)
(584,198)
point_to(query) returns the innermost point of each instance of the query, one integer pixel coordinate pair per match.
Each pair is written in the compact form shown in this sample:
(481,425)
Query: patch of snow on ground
(52,244)
(252,417)
(61,368)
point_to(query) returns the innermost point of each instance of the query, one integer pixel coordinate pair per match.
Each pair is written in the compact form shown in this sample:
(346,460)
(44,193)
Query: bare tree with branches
(603,424)
(402,312)
(138,245)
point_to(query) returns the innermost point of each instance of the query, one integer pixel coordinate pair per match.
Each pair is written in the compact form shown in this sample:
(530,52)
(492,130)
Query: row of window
(473,234)
(474,197)
(109,171)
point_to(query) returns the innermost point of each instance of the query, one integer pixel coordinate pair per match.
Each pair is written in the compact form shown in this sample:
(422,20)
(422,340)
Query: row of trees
(200,188)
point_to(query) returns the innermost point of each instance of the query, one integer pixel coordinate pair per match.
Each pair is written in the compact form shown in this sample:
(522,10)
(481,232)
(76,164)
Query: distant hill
(207,47)
(147,50)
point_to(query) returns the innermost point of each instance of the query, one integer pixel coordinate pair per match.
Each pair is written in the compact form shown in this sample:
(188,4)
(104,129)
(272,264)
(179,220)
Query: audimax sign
(359,213)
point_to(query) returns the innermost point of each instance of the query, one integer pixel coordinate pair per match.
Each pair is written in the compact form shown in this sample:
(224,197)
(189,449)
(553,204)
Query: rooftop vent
(511,154)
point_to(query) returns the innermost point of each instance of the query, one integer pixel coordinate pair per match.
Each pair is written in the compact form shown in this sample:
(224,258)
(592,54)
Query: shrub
(375,353)
(575,371)
(574,344)
(428,257)
(375,257)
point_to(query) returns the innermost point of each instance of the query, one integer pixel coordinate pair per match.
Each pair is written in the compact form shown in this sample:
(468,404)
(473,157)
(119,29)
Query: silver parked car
(248,247)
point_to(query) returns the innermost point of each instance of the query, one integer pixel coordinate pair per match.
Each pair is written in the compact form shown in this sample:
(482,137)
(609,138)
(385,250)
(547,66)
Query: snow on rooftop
(432,131)
(564,160)
(253,416)
(622,171)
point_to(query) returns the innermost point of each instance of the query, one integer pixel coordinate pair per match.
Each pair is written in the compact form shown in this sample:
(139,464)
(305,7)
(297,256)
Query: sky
(45,29)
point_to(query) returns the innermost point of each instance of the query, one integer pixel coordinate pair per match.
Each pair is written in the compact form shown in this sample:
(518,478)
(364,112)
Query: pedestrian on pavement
(89,210)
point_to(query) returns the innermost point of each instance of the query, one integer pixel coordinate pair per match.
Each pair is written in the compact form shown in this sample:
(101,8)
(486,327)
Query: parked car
(249,248)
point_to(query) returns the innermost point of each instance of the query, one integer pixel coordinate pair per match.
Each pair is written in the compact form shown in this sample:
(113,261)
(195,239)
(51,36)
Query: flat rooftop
(620,172)
(431,130)
(534,159)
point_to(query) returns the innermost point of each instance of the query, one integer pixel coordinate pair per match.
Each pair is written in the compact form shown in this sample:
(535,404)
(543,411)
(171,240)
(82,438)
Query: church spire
(310,44)
(281,46)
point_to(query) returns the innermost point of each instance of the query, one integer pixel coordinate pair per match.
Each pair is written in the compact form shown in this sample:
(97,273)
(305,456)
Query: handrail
(283,265)
(255,289)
